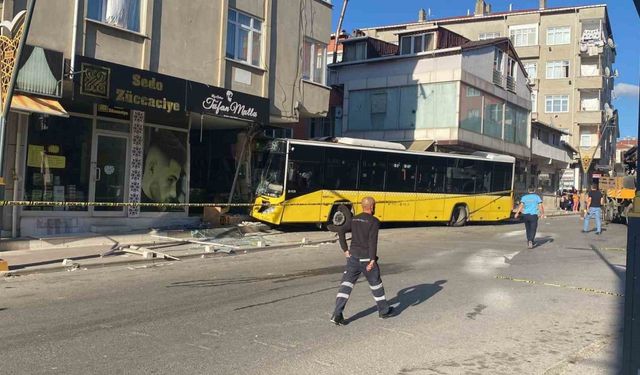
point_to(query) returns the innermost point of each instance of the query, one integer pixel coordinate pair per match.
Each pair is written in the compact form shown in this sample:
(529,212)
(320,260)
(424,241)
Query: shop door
(110,173)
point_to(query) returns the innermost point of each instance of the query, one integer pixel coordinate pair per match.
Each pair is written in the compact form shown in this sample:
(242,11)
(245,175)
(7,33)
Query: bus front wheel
(340,216)
(459,216)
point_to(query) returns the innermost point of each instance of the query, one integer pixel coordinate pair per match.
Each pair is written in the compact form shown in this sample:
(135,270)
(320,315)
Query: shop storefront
(127,135)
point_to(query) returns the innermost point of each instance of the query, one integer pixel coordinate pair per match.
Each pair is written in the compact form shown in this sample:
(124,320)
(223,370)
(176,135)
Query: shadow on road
(543,241)
(411,296)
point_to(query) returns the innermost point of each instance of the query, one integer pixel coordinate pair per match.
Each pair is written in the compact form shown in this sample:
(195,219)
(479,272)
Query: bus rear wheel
(339,217)
(459,216)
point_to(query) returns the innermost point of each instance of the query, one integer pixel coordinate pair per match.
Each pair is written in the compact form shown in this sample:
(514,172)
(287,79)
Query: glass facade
(58,161)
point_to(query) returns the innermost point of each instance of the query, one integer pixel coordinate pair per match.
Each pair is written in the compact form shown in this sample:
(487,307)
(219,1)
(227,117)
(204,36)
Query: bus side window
(401,173)
(372,171)
(431,175)
(501,180)
(305,172)
(341,171)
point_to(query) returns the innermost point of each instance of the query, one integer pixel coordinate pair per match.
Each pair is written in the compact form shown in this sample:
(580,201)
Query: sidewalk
(93,251)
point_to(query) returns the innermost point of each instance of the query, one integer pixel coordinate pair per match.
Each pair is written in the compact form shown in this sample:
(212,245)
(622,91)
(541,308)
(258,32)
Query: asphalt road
(471,300)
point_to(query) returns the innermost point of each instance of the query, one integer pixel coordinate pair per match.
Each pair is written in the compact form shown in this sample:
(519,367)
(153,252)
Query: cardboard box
(212,215)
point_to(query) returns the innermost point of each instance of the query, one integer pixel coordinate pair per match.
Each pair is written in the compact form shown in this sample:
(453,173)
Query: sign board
(120,86)
(585,161)
(220,102)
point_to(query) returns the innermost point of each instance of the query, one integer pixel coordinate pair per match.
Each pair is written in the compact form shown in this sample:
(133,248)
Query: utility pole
(8,96)
(631,340)
(338,30)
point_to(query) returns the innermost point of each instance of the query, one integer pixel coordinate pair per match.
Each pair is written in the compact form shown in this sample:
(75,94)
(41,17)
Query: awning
(418,145)
(34,104)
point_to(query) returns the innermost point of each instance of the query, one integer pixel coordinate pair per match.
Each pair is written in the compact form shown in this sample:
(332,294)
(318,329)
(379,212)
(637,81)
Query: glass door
(110,173)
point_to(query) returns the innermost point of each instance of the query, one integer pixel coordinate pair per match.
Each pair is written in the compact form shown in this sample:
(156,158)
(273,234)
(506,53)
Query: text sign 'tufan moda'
(126,87)
(217,101)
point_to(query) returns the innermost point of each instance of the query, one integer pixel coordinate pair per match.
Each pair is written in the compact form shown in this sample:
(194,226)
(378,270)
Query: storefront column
(137,152)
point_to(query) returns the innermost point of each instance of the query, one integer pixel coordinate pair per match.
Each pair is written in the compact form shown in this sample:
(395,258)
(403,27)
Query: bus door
(371,176)
(430,189)
(303,197)
(400,193)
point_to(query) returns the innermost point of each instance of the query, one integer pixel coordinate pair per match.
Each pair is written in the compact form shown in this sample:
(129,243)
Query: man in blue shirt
(531,206)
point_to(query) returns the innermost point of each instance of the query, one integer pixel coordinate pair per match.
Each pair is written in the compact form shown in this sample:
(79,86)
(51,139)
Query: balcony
(590,82)
(511,84)
(557,153)
(315,99)
(588,117)
(528,51)
(498,78)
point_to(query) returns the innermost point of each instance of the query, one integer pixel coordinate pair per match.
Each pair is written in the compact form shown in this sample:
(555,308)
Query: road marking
(582,289)
(200,347)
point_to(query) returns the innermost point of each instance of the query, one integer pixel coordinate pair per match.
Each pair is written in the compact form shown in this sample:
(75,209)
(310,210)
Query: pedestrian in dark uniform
(361,258)
(531,205)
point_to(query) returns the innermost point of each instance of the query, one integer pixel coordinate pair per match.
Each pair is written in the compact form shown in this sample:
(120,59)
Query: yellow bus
(308,181)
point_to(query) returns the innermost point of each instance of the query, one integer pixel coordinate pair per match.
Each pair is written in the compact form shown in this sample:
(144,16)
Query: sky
(622,14)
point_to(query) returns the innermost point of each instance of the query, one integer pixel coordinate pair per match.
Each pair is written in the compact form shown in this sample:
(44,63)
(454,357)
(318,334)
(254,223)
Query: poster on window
(164,176)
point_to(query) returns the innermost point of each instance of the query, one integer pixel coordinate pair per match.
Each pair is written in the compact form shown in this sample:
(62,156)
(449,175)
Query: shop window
(124,14)
(341,170)
(58,161)
(244,38)
(401,173)
(164,178)
(431,175)
(372,171)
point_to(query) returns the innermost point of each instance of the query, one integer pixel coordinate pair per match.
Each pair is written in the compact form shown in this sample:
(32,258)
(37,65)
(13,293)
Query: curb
(240,251)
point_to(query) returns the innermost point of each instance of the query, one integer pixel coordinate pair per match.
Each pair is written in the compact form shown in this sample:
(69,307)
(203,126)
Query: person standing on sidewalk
(595,200)
(362,258)
(531,206)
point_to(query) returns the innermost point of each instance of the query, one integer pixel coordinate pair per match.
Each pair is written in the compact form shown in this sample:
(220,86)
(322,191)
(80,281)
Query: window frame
(412,42)
(311,76)
(556,31)
(489,35)
(237,25)
(557,65)
(141,7)
(551,99)
(528,65)
(515,29)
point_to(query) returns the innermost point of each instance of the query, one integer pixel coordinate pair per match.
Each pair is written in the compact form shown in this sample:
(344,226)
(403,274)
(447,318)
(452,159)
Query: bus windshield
(272,181)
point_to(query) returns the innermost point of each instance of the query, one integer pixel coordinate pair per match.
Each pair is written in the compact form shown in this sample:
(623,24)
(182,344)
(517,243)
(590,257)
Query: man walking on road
(593,209)
(362,258)
(532,206)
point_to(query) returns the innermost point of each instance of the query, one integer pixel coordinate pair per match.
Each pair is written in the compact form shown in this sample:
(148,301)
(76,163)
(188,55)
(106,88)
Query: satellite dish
(611,43)
(607,72)
(616,73)
(583,47)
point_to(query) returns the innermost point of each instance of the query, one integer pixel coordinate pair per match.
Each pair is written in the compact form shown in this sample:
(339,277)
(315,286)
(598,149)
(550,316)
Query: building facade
(550,157)
(568,53)
(155,102)
(435,90)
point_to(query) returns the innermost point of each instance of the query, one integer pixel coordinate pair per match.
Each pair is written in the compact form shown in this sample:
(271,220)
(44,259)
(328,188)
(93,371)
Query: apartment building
(154,101)
(568,53)
(435,90)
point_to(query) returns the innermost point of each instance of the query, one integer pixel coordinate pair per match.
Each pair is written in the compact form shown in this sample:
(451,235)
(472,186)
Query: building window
(124,14)
(355,51)
(524,35)
(314,61)
(587,138)
(558,69)
(556,103)
(558,35)
(492,117)
(58,161)
(590,66)
(491,35)
(589,100)
(472,91)
(244,38)
(417,43)
(532,70)
(534,101)
(471,109)
(511,74)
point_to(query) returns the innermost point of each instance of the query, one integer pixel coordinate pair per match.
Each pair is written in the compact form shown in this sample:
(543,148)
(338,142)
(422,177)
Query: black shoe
(585,231)
(337,319)
(599,233)
(389,313)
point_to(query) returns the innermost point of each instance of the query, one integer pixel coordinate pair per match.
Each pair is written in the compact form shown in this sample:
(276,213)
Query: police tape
(443,196)
(582,289)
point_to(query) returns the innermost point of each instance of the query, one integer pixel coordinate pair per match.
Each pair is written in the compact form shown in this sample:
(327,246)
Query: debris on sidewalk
(71,265)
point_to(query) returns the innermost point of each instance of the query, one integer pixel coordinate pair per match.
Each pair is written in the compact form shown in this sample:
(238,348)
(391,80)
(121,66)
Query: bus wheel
(340,216)
(459,216)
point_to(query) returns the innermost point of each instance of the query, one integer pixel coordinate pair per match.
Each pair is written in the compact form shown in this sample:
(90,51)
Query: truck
(620,190)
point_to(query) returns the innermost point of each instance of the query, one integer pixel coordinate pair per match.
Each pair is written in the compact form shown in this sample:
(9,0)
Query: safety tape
(582,289)
(255,204)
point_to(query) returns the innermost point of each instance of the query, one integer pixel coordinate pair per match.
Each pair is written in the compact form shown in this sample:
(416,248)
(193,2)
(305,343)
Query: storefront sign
(216,101)
(122,86)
